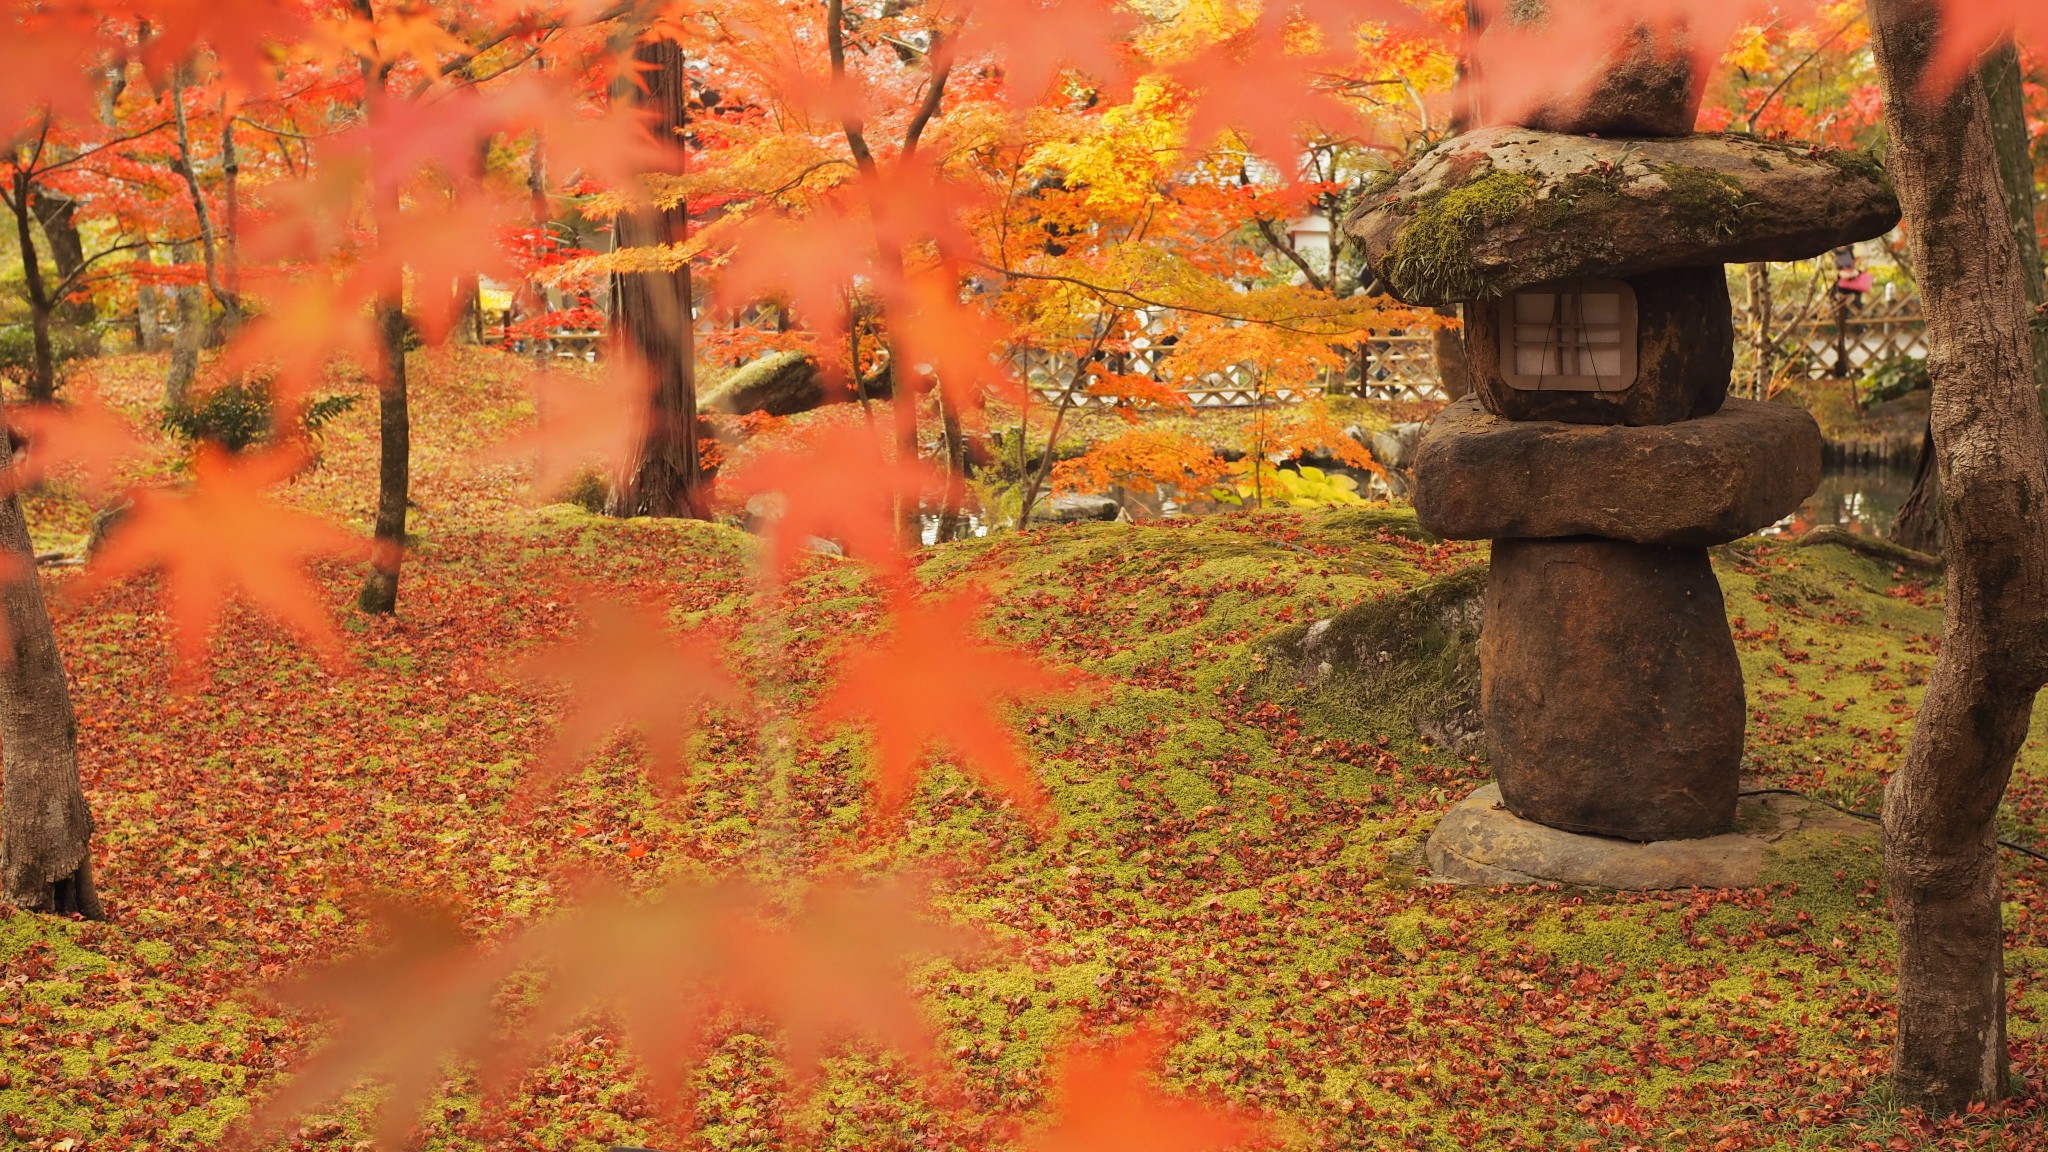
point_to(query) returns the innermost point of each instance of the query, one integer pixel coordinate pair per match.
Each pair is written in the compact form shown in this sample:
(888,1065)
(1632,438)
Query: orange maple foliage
(226,536)
(1106,1103)
(627,668)
(929,681)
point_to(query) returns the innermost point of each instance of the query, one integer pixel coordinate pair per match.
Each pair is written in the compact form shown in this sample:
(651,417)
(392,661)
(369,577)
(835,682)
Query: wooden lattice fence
(1864,336)
(1805,339)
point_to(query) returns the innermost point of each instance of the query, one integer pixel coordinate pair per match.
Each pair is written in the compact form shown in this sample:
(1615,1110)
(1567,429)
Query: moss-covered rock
(1412,659)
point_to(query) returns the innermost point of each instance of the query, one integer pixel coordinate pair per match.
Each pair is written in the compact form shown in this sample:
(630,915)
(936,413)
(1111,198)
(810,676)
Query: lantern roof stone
(1503,208)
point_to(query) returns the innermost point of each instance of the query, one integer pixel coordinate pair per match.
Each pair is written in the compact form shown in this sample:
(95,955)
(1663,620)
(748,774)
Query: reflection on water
(1862,500)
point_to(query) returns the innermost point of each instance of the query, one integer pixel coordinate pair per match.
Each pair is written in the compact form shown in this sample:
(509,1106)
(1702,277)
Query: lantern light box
(1579,336)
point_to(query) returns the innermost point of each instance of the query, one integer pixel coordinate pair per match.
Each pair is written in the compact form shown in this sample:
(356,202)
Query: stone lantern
(1600,452)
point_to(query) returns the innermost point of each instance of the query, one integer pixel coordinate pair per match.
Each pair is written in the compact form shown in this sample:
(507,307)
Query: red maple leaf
(1250,82)
(831,969)
(809,261)
(628,668)
(1338,18)
(442,240)
(582,422)
(302,327)
(1038,39)
(839,484)
(1968,27)
(930,680)
(932,330)
(46,61)
(1107,1103)
(401,1012)
(225,536)
(84,436)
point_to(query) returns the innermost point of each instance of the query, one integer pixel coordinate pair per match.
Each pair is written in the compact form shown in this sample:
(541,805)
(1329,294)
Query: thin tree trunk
(45,826)
(394,462)
(1941,858)
(394,418)
(209,243)
(149,311)
(952,518)
(1757,278)
(1453,366)
(655,320)
(1918,523)
(231,221)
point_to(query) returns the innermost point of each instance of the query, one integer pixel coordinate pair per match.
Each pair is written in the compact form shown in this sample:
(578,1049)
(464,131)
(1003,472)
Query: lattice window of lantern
(1573,337)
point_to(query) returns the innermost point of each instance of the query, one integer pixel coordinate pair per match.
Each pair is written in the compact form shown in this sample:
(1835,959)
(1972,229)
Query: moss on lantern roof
(1486,213)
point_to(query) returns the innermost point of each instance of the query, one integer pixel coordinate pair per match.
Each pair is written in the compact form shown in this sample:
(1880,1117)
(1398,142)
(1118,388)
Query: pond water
(1863,500)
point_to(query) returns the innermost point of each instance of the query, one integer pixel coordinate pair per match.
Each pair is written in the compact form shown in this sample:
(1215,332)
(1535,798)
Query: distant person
(1852,280)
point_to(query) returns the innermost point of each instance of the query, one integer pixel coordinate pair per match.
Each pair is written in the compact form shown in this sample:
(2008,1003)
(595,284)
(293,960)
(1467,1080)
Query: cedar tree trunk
(1941,859)
(653,316)
(45,828)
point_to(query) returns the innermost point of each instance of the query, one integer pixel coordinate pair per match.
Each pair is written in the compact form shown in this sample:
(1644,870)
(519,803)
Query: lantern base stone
(1480,842)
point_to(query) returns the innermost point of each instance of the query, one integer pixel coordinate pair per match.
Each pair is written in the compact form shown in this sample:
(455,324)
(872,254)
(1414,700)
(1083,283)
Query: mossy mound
(1227,846)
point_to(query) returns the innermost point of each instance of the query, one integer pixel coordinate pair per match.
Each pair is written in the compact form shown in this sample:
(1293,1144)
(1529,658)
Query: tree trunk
(45,827)
(185,165)
(42,383)
(57,215)
(1762,309)
(190,334)
(654,319)
(394,462)
(1453,366)
(149,312)
(231,224)
(1918,524)
(1992,455)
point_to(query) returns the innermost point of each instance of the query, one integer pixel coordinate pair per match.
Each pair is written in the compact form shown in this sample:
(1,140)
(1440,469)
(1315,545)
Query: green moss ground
(1229,847)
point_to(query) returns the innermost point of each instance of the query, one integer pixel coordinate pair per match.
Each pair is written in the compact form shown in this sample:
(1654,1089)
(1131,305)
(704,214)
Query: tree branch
(1265,228)
(942,60)
(835,47)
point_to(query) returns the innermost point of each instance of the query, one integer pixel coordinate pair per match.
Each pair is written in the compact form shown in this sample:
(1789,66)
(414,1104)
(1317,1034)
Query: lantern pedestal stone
(1609,688)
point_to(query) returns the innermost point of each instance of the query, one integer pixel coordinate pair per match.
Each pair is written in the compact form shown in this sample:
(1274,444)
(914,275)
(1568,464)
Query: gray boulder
(1073,507)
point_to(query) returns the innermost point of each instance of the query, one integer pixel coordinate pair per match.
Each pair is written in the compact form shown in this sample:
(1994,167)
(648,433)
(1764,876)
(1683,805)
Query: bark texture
(45,827)
(1918,523)
(1992,457)
(654,317)
(186,339)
